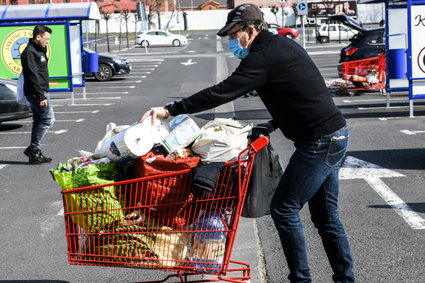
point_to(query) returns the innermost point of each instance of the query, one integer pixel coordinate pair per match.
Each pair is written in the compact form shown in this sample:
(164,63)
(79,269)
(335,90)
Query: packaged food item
(209,242)
(180,153)
(183,131)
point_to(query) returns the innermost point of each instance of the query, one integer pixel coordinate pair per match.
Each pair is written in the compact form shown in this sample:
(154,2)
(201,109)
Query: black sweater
(34,65)
(287,81)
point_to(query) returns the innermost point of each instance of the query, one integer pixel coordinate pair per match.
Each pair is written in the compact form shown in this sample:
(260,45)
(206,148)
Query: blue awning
(50,12)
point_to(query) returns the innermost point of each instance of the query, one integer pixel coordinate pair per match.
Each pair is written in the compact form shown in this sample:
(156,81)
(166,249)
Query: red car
(277,29)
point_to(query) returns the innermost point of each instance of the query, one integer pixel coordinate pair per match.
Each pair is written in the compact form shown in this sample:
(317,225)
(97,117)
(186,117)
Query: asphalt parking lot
(382,201)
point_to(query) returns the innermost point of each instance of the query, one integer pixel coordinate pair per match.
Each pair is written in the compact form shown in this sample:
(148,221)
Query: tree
(125,13)
(106,10)
(274,10)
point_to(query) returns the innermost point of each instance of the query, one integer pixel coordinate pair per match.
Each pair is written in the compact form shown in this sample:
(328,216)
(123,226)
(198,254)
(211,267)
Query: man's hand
(160,112)
(43,103)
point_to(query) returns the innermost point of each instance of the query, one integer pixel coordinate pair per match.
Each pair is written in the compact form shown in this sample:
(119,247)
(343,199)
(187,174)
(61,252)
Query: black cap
(242,13)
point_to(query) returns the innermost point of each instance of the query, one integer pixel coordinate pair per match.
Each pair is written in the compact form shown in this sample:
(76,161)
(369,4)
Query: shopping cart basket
(366,74)
(132,223)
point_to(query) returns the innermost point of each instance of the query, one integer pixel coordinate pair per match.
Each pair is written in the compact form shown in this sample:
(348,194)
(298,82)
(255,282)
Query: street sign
(302,8)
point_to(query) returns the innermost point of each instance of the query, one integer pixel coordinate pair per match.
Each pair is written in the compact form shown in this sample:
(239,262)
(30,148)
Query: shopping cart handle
(260,143)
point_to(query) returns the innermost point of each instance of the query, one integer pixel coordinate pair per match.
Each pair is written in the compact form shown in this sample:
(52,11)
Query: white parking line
(60,121)
(135,73)
(407,132)
(377,99)
(402,209)
(144,66)
(143,69)
(90,98)
(3,165)
(354,168)
(58,132)
(87,104)
(103,93)
(77,112)
(382,107)
(136,77)
(131,86)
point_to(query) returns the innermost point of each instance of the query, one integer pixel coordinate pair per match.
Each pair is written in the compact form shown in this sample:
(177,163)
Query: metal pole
(302,19)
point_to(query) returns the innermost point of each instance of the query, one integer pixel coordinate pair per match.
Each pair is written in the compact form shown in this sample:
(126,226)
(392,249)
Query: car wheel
(288,35)
(105,73)
(176,43)
(324,39)
(144,43)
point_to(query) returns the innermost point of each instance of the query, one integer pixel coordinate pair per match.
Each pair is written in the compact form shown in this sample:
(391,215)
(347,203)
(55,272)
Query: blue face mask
(237,50)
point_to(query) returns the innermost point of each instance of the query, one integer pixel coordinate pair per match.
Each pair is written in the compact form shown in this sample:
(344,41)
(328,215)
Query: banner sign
(417,27)
(14,39)
(323,9)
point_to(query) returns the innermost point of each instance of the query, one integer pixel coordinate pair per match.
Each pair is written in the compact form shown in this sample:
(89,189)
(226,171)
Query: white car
(160,37)
(328,32)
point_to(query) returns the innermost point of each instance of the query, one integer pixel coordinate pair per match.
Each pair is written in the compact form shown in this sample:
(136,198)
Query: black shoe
(43,158)
(35,156)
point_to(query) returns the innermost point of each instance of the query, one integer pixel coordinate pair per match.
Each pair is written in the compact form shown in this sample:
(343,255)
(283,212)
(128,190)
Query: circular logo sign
(421,60)
(12,47)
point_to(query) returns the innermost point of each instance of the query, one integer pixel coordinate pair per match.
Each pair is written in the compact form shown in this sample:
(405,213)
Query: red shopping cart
(160,222)
(365,74)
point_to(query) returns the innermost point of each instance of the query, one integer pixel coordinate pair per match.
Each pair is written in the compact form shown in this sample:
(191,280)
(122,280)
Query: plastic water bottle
(207,251)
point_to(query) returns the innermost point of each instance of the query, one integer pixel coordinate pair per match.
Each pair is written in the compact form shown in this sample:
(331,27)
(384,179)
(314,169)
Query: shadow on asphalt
(396,159)
(255,114)
(9,127)
(34,281)
(415,206)
(13,163)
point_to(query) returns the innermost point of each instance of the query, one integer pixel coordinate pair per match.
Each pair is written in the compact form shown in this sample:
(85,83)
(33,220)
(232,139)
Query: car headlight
(119,61)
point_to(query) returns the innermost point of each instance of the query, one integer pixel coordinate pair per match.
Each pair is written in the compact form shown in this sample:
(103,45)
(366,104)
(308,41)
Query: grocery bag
(172,196)
(266,173)
(20,95)
(84,204)
(142,242)
(221,140)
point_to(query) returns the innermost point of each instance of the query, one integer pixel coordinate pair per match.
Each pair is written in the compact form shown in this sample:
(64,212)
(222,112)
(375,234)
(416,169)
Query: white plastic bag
(111,130)
(20,95)
(123,143)
(266,173)
(221,140)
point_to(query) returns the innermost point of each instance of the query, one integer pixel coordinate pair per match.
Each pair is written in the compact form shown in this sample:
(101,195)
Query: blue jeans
(312,176)
(42,119)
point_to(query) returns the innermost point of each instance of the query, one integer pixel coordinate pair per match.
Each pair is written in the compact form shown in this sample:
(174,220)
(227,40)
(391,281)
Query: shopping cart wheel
(353,93)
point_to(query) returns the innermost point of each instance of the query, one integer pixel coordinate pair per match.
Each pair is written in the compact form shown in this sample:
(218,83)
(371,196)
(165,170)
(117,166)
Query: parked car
(328,32)
(160,37)
(10,110)
(283,31)
(109,66)
(367,43)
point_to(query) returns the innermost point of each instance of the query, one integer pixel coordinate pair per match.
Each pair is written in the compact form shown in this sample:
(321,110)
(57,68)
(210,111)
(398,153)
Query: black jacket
(34,65)
(287,81)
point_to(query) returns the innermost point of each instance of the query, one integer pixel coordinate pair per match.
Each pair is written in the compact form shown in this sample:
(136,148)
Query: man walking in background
(36,86)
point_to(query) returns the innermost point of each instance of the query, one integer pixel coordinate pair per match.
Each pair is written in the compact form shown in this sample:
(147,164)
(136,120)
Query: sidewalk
(248,249)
